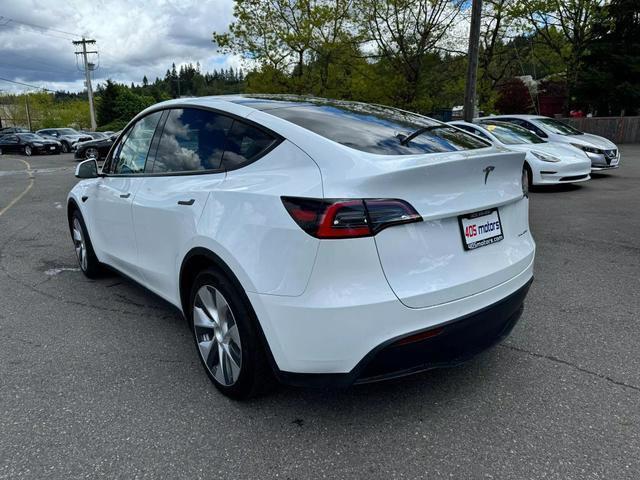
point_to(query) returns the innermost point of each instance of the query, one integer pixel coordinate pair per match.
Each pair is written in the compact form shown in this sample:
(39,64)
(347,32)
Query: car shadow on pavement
(563,187)
(600,175)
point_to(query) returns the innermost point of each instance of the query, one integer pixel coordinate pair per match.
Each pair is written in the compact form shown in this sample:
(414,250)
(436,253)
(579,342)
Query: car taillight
(347,218)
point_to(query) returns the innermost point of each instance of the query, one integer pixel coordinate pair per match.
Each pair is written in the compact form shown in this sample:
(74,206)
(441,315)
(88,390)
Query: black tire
(65,147)
(92,268)
(527,169)
(256,376)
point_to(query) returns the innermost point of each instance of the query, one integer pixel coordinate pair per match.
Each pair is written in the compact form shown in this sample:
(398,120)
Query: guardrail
(616,129)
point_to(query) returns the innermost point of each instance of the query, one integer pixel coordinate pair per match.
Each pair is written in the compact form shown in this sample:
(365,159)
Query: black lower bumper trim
(459,340)
(573,177)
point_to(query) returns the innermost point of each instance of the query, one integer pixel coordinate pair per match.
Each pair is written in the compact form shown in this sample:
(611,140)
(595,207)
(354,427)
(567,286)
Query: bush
(114,126)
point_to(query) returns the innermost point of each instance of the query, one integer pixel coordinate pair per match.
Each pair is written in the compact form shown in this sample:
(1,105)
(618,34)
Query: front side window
(244,144)
(131,155)
(192,140)
(377,129)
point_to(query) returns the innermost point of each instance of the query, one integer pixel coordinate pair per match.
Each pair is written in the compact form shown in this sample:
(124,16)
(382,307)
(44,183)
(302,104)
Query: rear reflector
(347,218)
(418,337)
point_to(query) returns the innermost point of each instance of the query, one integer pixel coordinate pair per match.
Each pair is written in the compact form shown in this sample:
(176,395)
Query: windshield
(557,127)
(377,129)
(68,131)
(512,134)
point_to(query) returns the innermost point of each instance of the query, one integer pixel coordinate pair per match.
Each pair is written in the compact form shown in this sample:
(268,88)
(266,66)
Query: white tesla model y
(314,241)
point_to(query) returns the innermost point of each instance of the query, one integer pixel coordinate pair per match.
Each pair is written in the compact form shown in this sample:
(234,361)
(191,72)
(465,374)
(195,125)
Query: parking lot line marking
(24,192)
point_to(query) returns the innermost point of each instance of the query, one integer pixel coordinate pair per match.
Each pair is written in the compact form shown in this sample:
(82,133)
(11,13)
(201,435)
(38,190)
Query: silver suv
(68,137)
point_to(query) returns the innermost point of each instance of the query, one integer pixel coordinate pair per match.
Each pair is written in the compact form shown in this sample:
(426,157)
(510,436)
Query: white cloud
(134,38)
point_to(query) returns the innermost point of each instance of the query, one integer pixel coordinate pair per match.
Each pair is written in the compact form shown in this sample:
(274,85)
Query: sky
(134,38)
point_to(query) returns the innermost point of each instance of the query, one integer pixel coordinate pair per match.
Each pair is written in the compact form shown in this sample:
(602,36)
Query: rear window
(377,129)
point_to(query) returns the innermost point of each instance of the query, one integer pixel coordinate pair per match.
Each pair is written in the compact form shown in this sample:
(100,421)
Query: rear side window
(245,144)
(192,140)
(377,129)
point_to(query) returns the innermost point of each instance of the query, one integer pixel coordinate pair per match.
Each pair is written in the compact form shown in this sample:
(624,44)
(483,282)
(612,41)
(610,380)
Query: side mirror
(87,169)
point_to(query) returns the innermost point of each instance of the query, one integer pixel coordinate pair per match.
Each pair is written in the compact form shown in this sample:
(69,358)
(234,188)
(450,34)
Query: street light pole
(472,67)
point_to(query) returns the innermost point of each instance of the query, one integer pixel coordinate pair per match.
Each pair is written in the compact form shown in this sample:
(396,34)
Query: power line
(33,25)
(26,85)
(44,33)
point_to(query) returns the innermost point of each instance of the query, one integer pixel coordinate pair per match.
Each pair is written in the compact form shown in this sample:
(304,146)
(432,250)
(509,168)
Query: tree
(611,80)
(514,97)
(107,96)
(118,103)
(499,56)
(404,31)
(565,27)
(287,35)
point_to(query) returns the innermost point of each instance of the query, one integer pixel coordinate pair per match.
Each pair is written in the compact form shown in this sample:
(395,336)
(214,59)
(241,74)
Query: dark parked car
(97,149)
(8,130)
(95,135)
(68,137)
(28,143)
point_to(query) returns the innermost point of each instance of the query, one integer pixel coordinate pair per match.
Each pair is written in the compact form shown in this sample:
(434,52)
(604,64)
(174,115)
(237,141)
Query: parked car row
(554,151)
(21,140)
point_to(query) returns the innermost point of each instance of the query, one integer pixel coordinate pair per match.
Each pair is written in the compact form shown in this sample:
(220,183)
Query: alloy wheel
(217,335)
(79,244)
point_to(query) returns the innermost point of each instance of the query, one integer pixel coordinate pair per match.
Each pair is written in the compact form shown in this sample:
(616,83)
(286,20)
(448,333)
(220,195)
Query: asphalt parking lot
(100,378)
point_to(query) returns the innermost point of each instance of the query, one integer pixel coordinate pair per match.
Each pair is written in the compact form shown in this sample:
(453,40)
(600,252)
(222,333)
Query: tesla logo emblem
(487,171)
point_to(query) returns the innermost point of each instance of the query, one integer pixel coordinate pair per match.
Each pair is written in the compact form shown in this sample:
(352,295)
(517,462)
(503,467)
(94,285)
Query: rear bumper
(45,150)
(446,345)
(331,330)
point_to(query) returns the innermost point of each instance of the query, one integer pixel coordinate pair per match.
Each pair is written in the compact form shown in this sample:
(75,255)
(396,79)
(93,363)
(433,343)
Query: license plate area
(479,229)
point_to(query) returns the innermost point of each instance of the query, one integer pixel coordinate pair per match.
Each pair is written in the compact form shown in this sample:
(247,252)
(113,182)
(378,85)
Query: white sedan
(545,162)
(314,241)
(603,153)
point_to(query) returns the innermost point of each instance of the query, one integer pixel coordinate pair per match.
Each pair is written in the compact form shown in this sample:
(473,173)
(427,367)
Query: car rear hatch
(427,263)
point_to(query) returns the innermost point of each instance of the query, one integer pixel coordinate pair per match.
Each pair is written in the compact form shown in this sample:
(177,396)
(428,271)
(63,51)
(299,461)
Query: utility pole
(87,73)
(472,68)
(26,106)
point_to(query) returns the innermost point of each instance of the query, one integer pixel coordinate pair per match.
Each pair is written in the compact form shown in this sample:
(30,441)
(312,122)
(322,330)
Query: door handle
(125,195)
(187,202)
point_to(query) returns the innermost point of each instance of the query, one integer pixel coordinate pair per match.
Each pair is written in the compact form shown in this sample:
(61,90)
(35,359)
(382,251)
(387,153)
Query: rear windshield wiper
(404,140)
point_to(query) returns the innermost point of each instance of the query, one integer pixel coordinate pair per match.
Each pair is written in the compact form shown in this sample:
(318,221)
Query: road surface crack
(572,365)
